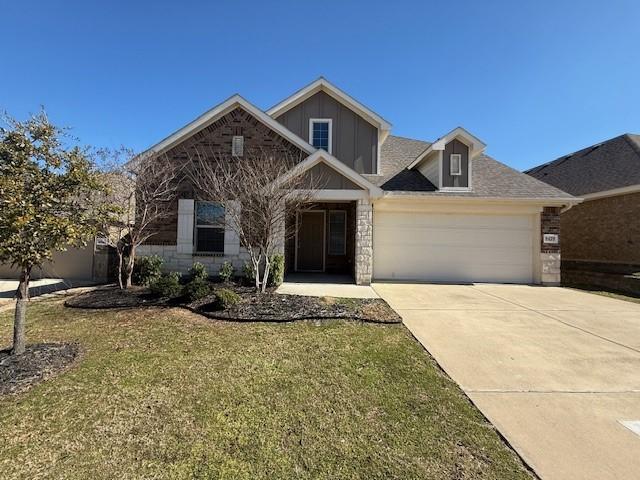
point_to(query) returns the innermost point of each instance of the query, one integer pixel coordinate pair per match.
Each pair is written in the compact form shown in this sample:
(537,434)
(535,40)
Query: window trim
(233,145)
(312,121)
(196,251)
(344,234)
(459,170)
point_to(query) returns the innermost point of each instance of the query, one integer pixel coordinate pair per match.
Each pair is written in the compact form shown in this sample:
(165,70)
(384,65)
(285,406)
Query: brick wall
(550,223)
(215,140)
(603,230)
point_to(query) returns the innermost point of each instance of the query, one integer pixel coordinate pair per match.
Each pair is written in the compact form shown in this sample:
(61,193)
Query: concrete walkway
(557,371)
(36,287)
(316,285)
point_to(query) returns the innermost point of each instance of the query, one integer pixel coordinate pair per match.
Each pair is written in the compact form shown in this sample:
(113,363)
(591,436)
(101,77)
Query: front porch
(324,285)
(330,240)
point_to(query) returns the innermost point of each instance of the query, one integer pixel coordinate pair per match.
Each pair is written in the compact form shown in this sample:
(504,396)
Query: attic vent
(237,146)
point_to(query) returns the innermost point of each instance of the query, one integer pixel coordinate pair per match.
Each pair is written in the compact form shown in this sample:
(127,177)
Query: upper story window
(209,226)
(320,133)
(455,164)
(237,146)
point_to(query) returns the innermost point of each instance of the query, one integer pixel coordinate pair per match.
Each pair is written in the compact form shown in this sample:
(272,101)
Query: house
(601,236)
(393,208)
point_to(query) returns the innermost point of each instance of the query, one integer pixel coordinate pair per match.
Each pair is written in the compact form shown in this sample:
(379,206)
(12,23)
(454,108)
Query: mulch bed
(36,364)
(268,307)
(273,307)
(113,297)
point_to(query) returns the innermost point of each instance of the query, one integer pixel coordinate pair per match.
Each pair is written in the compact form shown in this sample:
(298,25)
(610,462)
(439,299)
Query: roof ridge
(566,156)
(409,138)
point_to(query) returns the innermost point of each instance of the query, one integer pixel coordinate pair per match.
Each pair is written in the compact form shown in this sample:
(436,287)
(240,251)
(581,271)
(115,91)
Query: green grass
(166,394)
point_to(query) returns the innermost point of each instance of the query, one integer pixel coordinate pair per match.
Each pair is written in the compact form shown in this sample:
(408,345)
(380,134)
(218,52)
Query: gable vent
(237,146)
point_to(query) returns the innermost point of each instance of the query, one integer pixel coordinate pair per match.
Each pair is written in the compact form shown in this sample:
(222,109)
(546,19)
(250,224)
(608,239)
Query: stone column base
(550,263)
(364,243)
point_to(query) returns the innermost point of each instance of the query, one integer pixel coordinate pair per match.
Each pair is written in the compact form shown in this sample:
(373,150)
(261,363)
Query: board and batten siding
(354,140)
(448,180)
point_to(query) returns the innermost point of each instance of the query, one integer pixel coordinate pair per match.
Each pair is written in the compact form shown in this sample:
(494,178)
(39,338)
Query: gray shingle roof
(490,178)
(611,164)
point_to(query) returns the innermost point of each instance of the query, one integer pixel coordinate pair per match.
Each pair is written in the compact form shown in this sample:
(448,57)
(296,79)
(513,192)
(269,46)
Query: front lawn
(165,393)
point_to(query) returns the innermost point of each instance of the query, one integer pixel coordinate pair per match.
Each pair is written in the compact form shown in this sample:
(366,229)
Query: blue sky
(533,79)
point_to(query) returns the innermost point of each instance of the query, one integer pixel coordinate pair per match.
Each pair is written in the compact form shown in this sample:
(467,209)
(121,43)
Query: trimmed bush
(225,298)
(167,286)
(146,270)
(196,289)
(198,271)
(226,272)
(276,274)
(248,273)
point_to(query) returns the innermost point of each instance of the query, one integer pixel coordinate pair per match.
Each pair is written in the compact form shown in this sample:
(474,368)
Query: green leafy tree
(51,197)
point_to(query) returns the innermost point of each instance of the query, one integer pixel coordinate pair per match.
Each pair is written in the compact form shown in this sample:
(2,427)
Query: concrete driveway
(557,371)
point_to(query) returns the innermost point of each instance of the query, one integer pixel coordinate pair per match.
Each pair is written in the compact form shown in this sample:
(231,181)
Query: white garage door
(453,248)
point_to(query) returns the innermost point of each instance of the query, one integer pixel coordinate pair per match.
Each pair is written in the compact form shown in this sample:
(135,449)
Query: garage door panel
(456,237)
(435,247)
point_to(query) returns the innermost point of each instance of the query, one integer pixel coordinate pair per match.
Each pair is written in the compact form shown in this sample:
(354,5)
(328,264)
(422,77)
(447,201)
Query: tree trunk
(120,260)
(256,272)
(22,297)
(265,276)
(130,263)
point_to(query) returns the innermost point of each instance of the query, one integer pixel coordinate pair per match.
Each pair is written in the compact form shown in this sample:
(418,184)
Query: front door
(310,241)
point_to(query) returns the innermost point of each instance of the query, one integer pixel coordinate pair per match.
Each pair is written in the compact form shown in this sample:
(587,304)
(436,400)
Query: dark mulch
(113,297)
(273,307)
(268,307)
(36,364)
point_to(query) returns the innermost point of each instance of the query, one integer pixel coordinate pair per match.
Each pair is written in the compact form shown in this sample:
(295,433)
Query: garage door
(452,248)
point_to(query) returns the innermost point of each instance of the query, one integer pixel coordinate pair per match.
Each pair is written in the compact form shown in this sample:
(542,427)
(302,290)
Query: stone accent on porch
(364,243)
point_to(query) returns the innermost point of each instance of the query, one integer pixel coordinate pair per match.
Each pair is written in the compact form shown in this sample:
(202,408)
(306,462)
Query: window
(237,145)
(209,227)
(320,133)
(455,164)
(337,232)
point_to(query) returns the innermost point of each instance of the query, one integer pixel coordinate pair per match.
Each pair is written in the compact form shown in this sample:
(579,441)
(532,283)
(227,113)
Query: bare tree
(144,189)
(259,190)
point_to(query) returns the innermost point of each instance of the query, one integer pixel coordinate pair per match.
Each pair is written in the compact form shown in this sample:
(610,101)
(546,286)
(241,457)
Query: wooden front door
(310,241)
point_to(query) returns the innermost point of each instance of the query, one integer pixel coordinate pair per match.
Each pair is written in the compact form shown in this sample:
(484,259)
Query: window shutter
(231,240)
(185,226)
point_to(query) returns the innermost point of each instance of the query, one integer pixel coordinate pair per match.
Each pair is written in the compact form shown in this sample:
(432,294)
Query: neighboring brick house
(601,235)
(392,207)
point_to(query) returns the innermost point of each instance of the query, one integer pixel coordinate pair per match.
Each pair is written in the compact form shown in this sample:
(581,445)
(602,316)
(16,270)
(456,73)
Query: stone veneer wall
(182,262)
(364,242)
(550,253)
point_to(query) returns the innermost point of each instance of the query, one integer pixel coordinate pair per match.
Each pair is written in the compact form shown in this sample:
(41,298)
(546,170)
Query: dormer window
(237,145)
(320,133)
(455,164)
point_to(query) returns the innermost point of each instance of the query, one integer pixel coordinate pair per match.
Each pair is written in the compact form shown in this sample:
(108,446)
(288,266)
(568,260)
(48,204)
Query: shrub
(225,298)
(248,273)
(196,289)
(198,271)
(146,270)
(168,285)
(226,272)
(276,275)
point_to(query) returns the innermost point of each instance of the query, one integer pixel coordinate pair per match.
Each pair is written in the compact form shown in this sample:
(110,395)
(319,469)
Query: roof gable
(476,146)
(322,84)
(210,116)
(322,157)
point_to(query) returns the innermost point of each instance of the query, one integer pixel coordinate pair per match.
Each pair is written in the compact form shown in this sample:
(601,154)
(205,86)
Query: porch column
(364,242)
